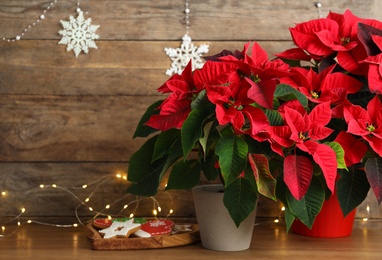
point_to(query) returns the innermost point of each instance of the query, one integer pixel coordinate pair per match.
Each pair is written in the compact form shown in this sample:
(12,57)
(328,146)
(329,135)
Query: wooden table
(269,242)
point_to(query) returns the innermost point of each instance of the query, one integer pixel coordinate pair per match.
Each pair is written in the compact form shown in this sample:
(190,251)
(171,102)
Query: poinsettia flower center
(256,79)
(314,94)
(345,40)
(370,128)
(303,136)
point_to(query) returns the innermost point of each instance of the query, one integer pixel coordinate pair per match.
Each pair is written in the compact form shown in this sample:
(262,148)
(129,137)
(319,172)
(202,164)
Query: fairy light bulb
(23,210)
(90,209)
(126,206)
(29,221)
(42,186)
(75,225)
(365,219)
(84,186)
(109,217)
(54,186)
(107,207)
(159,209)
(3,193)
(155,212)
(276,221)
(87,200)
(171,211)
(282,208)
(3,228)
(118,175)
(131,215)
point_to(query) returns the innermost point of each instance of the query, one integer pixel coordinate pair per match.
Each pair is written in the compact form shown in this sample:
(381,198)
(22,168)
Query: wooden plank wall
(69,121)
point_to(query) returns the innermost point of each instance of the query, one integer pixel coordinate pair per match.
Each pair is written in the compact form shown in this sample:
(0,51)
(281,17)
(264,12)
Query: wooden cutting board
(181,239)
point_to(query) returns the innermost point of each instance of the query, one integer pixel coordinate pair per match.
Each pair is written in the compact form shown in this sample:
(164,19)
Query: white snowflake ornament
(78,34)
(181,56)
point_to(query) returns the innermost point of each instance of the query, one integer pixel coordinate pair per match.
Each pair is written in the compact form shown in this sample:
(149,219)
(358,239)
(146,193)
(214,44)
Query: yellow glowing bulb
(118,176)
(23,210)
(365,219)
(124,177)
(54,185)
(159,209)
(2,228)
(109,217)
(107,207)
(87,200)
(171,211)
(131,215)
(276,221)
(3,193)
(90,209)
(75,225)
(84,186)
(18,223)
(282,208)
(155,212)
(42,186)
(368,208)
(29,221)
(126,206)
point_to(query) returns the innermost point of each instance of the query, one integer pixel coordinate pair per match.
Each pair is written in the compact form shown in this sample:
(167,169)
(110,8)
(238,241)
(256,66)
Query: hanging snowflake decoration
(181,56)
(78,34)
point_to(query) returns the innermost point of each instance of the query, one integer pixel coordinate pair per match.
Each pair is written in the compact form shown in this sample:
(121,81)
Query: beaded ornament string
(30,26)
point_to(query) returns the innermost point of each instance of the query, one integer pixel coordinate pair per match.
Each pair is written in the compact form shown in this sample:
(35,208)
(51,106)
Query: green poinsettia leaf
(204,139)
(373,168)
(240,198)
(144,174)
(164,143)
(352,189)
(310,205)
(274,117)
(174,155)
(201,101)
(286,93)
(266,184)
(208,167)
(232,152)
(340,154)
(184,175)
(142,129)
(192,129)
(289,219)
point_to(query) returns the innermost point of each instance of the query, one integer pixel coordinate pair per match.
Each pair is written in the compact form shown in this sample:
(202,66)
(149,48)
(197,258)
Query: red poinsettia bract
(322,87)
(366,123)
(306,131)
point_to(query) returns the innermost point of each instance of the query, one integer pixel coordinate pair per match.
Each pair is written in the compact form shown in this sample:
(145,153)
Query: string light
(96,184)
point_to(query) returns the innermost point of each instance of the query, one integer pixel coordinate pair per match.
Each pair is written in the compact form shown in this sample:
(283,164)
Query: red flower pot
(329,223)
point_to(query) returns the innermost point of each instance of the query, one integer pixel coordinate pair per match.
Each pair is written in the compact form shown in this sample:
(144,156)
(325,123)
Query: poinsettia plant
(300,127)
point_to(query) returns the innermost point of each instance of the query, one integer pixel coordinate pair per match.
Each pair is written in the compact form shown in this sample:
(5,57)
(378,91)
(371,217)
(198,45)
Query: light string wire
(98,183)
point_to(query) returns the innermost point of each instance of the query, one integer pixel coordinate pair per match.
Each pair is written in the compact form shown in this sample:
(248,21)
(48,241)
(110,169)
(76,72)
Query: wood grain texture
(131,68)
(268,242)
(164,19)
(22,183)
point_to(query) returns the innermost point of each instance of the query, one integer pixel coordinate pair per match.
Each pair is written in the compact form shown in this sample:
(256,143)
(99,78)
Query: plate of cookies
(140,233)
